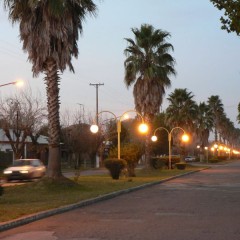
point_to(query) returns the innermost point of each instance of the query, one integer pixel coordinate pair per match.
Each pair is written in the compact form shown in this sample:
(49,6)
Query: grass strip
(33,197)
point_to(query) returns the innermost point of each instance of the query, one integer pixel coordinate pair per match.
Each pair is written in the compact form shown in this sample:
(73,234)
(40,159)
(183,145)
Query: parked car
(25,169)
(190,159)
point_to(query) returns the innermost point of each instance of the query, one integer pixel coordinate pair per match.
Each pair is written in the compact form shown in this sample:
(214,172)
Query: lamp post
(17,83)
(185,138)
(206,148)
(143,128)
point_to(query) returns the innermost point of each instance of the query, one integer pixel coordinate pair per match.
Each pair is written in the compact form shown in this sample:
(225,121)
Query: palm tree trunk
(52,82)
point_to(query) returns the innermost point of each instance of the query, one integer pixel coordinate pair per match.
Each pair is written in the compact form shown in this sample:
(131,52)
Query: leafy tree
(230,21)
(49,30)
(79,143)
(131,153)
(148,66)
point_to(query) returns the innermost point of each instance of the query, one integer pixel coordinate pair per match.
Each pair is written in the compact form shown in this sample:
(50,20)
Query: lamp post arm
(104,112)
(134,112)
(177,128)
(2,85)
(159,128)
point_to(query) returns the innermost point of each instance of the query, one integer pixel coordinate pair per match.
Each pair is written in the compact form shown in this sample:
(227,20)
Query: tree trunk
(52,82)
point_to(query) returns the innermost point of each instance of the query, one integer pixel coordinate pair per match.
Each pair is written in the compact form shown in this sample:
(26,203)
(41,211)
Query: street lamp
(18,83)
(206,148)
(185,138)
(143,128)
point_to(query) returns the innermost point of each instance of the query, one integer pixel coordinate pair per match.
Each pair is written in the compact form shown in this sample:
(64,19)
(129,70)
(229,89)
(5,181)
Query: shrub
(115,166)
(181,165)
(157,162)
(222,158)
(130,153)
(213,160)
(1,190)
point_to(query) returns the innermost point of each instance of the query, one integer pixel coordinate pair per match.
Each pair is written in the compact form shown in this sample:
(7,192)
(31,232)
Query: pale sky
(207,57)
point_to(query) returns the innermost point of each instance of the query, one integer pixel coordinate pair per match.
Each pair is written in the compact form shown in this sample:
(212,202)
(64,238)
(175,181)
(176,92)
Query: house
(42,147)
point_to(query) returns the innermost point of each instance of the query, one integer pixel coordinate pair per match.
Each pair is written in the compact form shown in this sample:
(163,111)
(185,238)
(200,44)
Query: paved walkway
(200,206)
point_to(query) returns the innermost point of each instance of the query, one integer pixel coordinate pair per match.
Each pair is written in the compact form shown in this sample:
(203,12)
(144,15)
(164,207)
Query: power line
(96,85)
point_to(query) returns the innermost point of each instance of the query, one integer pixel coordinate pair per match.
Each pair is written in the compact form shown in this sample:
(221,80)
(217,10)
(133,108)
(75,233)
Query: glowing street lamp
(185,138)
(143,128)
(18,83)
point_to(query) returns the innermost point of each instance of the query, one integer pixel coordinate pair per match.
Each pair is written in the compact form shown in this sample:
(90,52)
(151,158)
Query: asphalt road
(200,206)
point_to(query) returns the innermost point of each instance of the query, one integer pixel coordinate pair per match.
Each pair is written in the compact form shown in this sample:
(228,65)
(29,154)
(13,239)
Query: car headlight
(24,171)
(7,172)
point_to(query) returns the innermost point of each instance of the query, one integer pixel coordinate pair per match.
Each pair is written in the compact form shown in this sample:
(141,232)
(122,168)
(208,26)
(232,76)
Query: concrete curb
(44,214)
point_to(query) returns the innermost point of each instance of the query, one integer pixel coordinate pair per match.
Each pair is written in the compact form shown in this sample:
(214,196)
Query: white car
(25,169)
(190,159)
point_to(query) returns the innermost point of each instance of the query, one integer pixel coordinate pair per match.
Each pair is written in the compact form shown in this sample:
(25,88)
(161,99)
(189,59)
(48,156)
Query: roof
(41,140)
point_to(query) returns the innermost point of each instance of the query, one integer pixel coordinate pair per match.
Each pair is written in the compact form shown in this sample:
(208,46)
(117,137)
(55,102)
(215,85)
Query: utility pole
(82,113)
(96,85)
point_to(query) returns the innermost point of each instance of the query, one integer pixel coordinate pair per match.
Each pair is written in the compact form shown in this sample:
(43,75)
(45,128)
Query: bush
(130,153)
(159,162)
(213,160)
(1,190)
(115,166)
(222,158)
(181,165)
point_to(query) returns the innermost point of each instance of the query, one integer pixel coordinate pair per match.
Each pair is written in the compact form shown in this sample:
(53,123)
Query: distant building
(42,147)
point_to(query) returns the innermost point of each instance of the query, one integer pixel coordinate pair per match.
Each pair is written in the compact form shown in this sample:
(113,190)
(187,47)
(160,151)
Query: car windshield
(21,163)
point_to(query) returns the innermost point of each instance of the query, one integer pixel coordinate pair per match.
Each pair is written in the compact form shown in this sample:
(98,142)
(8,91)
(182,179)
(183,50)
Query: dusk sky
(207,58)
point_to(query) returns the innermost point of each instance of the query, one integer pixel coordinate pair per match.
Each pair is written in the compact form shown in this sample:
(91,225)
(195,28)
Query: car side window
(35,163)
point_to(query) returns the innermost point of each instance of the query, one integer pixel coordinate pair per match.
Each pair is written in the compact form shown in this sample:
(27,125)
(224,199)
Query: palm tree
(238,116)
(148,66)
(49,30)
(182,110)
(216,107)
(204,124)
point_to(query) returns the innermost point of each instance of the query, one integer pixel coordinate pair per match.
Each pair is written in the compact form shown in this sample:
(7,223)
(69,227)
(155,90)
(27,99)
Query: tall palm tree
(181,112)
(216,106)
(182,109)
(148,66)
(204,124)
(238,116)
(49,30)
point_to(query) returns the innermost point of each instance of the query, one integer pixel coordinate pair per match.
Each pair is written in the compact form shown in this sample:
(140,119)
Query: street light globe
(143,128)
(154,138)
(94,128)
(19,83)
(185,138)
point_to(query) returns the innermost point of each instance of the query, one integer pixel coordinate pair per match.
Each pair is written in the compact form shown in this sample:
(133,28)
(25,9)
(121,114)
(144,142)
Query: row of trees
(148,66)
(50,30)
